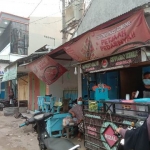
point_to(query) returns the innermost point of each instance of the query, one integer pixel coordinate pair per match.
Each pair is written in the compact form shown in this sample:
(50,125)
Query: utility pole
(64,38)
(72,9)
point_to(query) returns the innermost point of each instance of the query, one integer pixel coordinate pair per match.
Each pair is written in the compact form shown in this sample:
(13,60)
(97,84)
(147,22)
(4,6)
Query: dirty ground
(14,138)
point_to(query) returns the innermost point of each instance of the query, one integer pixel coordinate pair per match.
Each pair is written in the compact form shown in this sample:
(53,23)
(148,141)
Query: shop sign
(10,73)
(109,136)
(47,69)
(2,67)
(125,58)
(104,63)
(90,66)
(103,43)
(113,62)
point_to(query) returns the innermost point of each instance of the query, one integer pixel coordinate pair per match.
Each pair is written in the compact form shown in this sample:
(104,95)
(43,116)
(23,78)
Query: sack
(67,121)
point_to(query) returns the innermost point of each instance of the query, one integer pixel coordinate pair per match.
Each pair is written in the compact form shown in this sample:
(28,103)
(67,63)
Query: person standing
(11,96)
(144,90)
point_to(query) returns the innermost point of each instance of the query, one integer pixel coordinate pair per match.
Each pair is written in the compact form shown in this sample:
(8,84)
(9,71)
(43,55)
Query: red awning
(103,43)
(60,50)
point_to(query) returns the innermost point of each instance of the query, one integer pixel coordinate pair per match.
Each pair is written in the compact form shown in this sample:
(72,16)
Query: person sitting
(77,114)
(137,139)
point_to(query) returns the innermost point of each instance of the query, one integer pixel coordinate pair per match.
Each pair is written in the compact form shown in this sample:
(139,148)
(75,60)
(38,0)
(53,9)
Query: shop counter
(100,126)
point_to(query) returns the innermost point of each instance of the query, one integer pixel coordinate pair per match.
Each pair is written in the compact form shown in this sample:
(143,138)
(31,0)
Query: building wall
(105,10)
(66,82)
(41,31)
(36,88)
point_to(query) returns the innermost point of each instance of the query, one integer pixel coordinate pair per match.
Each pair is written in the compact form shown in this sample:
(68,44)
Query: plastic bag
(93,106)
(68,121)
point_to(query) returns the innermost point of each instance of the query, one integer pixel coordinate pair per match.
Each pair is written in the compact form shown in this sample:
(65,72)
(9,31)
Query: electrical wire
(43,18)
(35,8)
(49,22)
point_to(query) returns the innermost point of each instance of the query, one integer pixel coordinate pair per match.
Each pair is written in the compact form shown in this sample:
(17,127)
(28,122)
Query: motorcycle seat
(58,144)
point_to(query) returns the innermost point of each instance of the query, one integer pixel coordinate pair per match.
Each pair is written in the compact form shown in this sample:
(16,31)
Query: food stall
(113,60)
(108,84)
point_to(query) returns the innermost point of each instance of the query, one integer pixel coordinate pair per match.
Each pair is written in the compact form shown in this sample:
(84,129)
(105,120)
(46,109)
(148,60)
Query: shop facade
(113,61)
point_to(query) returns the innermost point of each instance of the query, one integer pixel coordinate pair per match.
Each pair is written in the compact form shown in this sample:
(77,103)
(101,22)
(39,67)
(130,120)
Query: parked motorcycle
(45,141)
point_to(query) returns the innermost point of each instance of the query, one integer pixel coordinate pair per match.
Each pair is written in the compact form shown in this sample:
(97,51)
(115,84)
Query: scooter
(45,141)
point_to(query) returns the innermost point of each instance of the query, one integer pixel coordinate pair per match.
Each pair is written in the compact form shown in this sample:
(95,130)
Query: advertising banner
(103,43)
(112,62)
(10,73)
(47,69)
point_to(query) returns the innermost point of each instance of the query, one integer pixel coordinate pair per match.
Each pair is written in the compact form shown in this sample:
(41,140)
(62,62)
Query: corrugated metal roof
(102,11)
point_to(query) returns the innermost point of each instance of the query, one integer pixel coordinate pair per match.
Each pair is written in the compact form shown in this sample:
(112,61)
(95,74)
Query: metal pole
(63,23)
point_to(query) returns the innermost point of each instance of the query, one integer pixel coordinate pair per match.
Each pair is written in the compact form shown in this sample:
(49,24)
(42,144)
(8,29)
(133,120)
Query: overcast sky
(25,7)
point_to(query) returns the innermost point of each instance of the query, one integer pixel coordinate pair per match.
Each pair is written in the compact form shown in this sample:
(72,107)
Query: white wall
(6,50)
(56,89)
(50,27)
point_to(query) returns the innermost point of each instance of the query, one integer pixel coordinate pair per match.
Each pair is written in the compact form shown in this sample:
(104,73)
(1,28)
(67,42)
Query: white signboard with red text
(2,67)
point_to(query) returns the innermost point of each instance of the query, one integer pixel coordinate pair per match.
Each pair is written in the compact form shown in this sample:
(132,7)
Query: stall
(113,61)
(108,84)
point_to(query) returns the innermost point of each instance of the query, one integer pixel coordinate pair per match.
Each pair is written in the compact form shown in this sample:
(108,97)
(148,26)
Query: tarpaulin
(102,43)
(47,69)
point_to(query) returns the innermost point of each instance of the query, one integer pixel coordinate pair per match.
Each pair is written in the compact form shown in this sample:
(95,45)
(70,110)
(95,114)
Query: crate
(55,124)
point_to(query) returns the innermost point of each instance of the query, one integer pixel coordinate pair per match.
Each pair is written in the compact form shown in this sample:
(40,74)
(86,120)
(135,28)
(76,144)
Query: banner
(113,62)
(47,70)
(10,73)
(102,43)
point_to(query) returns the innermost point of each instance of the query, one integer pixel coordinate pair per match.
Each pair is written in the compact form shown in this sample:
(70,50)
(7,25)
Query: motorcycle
(45,141)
